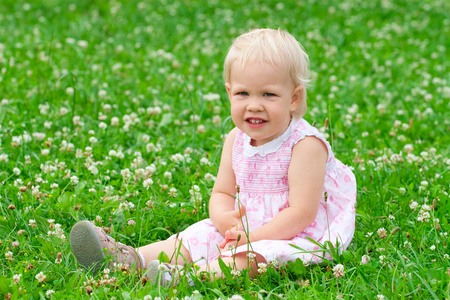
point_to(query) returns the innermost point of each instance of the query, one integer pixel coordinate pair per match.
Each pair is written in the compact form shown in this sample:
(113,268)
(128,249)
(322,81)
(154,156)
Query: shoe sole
(153,273)
(86,245)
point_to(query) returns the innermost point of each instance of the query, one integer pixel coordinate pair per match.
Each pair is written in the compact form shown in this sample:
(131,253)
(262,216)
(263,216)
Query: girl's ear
(228,87)
(297,98)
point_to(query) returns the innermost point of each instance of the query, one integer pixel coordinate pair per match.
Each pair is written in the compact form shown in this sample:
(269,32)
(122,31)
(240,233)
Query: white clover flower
(381,108)
(380,297)
(216,119)
(70,91)
(102,93)
(251,255)
(48,124)
(177,158)
(432,247)
(74,180)
(120,155)
(201,128)
(93,169)
(4,157)
(16,140)
(16,171)
(102,125)
(9,256)
(123,206)
(126,173)
(54,186)
(150,147)
(76,120)
(204,161)
(413,205)
(147,183)
(115,121)
(41,277)
(63,111)
(107,108)
(408,148)
(82,44)
(49,293)
(426,207)
(262,268)
(424,183)
(210,177)
(39,136)
(172,192)
(382,233)
(236,297)
(35,190)
(16,278)
(211,97)
(365,259)
(338,271)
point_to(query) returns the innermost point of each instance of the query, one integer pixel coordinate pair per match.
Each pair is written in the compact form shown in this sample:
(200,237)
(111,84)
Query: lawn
(116,111)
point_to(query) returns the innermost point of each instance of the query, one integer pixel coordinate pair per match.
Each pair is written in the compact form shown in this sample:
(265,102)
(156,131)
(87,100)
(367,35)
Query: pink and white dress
(262,174)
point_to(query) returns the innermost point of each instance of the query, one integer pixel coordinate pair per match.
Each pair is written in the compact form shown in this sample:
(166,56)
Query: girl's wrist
(252,238)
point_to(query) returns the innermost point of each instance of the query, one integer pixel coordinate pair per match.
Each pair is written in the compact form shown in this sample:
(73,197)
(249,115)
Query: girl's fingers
(226,240)
(239,213)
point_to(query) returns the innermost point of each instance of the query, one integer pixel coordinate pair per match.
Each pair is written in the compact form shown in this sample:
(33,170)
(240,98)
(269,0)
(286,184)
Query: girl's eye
(268,95)
(243,93)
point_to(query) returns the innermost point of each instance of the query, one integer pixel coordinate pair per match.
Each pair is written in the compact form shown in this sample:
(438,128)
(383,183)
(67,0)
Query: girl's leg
(170,247)
(240,261)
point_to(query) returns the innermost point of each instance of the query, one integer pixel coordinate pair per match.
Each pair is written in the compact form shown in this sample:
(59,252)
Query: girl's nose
(254,104)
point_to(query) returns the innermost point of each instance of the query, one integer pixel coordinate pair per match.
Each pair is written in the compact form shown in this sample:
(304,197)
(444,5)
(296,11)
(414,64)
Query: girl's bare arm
(221,205)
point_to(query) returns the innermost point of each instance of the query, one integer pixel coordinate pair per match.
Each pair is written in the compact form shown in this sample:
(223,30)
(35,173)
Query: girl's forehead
(260,67)
(261,74)
(254,63)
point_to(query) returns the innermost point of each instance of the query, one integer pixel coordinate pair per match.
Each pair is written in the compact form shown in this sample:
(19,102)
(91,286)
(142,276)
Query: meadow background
(115,112)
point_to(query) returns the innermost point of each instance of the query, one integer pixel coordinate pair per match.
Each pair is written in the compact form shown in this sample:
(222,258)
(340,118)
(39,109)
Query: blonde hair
(275,47)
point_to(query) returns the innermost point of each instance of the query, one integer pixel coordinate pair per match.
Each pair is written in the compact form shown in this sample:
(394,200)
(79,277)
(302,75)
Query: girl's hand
(237,218)
(235,238)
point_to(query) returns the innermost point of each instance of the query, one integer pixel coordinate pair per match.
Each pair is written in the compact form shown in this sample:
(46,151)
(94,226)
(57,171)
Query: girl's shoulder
(302,129)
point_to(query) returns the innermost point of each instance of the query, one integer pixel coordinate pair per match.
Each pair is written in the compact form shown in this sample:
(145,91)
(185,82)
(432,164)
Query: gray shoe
(88,243)
(162,274)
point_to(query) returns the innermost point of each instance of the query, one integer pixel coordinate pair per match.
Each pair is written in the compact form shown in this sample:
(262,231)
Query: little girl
(278,183)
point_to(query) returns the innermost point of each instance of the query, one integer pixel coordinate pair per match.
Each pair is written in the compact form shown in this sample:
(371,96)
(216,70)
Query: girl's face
(262,97)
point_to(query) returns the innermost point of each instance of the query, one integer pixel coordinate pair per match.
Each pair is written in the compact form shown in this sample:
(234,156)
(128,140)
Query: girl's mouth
(255,123)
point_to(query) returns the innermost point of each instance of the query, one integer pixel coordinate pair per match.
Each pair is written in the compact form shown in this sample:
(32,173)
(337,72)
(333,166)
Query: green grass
(381,77)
